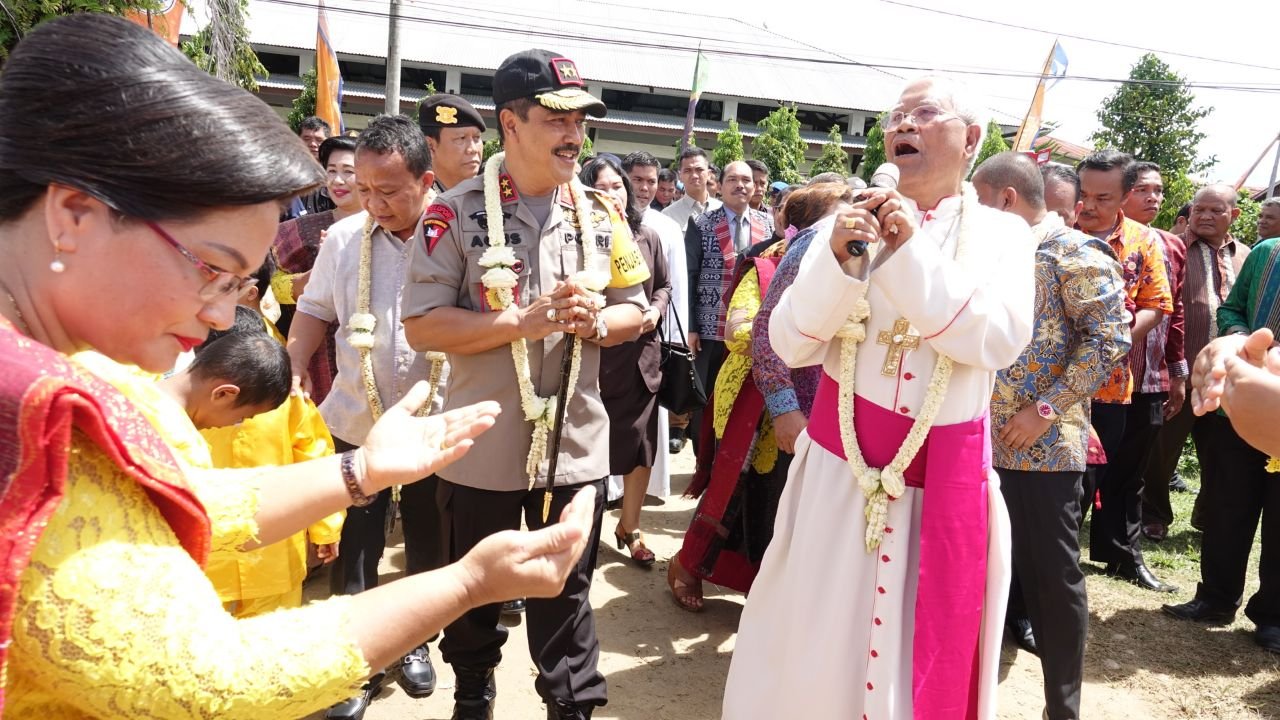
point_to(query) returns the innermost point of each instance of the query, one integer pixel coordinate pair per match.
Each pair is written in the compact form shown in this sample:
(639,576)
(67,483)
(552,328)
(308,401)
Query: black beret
(444,110)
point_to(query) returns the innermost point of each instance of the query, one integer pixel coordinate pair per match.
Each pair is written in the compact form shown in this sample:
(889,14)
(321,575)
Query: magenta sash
(952,467)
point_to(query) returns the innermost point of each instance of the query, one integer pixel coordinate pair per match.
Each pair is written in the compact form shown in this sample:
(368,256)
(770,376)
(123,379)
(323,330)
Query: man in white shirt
(694,169)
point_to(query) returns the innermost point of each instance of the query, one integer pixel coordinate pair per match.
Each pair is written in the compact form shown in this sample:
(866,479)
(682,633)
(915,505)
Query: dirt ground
(666,664)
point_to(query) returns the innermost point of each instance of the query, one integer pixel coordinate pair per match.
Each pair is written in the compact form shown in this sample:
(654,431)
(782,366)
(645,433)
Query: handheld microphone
(885,176)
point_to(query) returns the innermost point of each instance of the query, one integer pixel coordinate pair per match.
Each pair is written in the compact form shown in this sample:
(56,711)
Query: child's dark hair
(247,321)
(252,361)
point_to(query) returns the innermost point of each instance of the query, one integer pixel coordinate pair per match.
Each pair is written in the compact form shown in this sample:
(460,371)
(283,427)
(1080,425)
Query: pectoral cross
(900,342)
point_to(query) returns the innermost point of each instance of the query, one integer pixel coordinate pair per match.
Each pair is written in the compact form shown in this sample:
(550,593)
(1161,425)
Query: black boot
(473,697)
(563,710)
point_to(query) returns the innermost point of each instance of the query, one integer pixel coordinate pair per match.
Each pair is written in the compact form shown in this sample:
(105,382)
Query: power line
(1013,26)
(489,29)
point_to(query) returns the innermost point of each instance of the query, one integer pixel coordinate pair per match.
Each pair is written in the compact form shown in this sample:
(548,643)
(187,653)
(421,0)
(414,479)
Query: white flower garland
(500,281)
(360,333)
(880,485)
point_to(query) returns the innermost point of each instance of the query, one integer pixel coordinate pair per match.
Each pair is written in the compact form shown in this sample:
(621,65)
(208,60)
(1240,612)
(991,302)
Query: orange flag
(166,22)
(328,76)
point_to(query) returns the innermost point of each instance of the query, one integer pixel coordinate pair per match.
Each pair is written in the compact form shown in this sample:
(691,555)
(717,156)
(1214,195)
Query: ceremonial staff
(557,428)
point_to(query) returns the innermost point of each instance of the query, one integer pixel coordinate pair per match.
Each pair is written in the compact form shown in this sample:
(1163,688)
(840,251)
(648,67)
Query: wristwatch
(1045,410)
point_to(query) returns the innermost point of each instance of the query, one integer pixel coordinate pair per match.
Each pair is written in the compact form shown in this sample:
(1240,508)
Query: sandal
(686,590)
(634,543)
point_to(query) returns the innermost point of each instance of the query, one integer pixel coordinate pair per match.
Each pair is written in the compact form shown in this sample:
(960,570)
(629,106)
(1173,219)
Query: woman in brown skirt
(629,373)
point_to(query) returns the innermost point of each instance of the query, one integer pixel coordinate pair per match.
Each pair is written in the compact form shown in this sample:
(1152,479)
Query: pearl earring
(57,265)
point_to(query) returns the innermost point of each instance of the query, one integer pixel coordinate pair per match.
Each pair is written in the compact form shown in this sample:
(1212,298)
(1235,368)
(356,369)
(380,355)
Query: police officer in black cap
(542,104)
(452,127)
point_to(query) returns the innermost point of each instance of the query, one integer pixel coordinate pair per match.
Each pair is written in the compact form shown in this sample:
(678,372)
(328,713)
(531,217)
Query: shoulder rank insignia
(507,189)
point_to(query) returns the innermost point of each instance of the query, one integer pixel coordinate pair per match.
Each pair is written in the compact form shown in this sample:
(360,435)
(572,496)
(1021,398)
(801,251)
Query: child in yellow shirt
(248,367)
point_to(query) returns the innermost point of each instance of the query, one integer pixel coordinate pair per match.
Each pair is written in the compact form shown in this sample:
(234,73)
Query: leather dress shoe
(1200,611)
(1138,574)
(474,695)
(354,708)
(675,445)
(513,607)
(1020,630)
(1155,532)
(1268,637)
(562,710)
(417,676)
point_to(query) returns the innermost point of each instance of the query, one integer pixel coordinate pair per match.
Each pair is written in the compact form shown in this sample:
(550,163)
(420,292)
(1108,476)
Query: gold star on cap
(446,115)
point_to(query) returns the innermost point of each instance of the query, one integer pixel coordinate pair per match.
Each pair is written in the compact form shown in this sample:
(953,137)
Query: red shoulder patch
(434,228)
(442,211)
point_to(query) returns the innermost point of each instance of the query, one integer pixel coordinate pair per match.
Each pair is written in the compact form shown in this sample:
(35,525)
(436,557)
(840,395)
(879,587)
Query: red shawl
(43,398)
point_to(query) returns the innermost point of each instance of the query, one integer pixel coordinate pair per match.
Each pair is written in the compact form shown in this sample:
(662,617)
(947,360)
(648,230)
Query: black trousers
(707,364)
(1236,491)
(1108,421)
(1048,585)
(364,535)
(1115,535)
(562,629)
(1164,462)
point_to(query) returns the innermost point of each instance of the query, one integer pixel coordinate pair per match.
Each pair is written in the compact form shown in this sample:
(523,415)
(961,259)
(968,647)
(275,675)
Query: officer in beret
(452,127)
(542,104)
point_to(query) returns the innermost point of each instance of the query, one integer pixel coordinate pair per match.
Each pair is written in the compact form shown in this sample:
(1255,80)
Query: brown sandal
(686,590)
(633,542)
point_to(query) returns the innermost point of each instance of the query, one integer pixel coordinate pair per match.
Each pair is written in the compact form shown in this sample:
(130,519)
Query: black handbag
(681,390)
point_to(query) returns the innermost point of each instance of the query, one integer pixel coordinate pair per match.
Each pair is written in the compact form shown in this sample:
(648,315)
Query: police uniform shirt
(444,271)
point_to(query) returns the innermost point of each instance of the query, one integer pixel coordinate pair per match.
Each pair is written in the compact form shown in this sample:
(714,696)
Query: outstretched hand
(404,447)
(1208,375)
(523,563)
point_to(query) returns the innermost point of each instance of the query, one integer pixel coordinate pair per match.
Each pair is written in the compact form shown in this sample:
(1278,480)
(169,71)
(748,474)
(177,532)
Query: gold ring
(850,223)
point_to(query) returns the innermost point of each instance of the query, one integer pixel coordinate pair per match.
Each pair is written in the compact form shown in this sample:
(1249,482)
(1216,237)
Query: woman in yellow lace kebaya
(136,248)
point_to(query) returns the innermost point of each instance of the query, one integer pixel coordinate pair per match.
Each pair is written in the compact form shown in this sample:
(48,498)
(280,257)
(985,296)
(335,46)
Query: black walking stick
(557,429)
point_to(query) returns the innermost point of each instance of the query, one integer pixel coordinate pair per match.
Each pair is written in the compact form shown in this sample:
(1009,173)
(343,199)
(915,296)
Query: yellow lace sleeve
(282,287)
(743,307)
(230,497)
(114,619)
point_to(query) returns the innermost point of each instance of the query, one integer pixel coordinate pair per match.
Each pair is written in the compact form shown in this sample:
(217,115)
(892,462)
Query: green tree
(20,17)
(873,154)
(1245,227)
(993,144)
(1156,118)
(1178,190)
(304,106)
(779,145)
(833,157)
(588,149)
(675,160)
(491,148)
(728,146)
(430,88)
(222,47)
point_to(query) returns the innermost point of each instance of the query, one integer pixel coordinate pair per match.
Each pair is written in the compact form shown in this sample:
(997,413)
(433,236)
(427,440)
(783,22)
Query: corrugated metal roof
(615,118)
(637,46)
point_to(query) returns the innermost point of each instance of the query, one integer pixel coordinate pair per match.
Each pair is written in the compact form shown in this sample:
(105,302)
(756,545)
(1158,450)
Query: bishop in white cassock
(911,629)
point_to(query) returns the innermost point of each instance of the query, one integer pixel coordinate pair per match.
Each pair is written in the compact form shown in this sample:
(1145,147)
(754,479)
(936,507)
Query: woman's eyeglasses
(218,283)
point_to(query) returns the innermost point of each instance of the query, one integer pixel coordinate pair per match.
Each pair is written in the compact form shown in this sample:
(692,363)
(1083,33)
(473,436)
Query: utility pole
(392,104)
(1271,186)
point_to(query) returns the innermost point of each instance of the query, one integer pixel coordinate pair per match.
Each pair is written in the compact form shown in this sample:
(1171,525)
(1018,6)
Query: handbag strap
(679,327)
